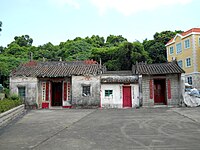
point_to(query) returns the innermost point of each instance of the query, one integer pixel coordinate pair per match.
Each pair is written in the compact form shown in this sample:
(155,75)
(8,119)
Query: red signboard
(47,91)
(169,89)
(65,91)
(151,88)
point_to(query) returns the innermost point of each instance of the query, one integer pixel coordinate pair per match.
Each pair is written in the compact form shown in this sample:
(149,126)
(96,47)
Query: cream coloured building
(185,48)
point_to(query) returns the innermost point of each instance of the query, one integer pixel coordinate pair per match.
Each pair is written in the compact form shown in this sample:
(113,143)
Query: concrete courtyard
(99,129)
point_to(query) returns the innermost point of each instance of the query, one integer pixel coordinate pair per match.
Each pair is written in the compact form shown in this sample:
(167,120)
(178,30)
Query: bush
(9,103)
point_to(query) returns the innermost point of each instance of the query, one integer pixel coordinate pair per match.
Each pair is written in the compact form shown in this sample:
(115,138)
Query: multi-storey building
(185,48)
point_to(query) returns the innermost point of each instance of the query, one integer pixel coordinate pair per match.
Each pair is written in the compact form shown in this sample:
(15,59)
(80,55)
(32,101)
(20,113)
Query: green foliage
(116,52)
(9,103)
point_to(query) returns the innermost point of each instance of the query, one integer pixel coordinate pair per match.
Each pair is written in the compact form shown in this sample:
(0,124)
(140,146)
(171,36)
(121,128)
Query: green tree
(113,40)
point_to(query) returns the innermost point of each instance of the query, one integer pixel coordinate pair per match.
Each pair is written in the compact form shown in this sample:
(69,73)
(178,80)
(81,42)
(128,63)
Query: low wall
(11,114)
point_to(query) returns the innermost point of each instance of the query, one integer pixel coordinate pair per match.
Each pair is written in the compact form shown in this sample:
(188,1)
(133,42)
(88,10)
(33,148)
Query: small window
(188,62)
(189,79)
(180,63)
(171,50)
(108,93)
(187,43)
(86,91)
(178,48)
(199,41)
(22,92)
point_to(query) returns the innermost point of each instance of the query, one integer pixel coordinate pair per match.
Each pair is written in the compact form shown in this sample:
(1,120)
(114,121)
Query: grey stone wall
(146,101)
(77,87)
(176,90)
(30,85)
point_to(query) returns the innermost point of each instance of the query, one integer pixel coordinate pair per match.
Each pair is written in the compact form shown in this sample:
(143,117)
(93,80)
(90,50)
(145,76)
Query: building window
(180,63)
(189,79)
(22,92)
(178,48)
(199,41)
(188,62)
(171,50)
(108,93)
(187,43)
(86,90)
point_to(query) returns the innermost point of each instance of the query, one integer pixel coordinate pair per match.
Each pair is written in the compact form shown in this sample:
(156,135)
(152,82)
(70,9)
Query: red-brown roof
(57,68)
(186,33)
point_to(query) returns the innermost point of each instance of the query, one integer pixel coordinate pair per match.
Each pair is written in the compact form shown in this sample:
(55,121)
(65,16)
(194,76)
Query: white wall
(116,100)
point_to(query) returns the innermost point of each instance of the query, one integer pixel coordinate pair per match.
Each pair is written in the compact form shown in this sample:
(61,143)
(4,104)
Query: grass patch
(9,103)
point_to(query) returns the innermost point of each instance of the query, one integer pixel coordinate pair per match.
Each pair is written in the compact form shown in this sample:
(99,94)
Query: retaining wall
(11,114)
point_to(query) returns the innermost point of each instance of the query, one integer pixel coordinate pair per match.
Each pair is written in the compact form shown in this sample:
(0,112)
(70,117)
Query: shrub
(9,103)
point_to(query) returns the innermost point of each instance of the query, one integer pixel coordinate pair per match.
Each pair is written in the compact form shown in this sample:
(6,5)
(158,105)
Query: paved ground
(74,129)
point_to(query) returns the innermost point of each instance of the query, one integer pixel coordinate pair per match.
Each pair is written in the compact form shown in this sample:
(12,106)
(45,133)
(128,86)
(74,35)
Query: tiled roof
(119,79)
(197,30)
(156,69)
(119,73)
(57,69)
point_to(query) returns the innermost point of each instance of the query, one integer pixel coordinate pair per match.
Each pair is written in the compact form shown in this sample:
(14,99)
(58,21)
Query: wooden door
(57,94)
(159,91)
(127,96)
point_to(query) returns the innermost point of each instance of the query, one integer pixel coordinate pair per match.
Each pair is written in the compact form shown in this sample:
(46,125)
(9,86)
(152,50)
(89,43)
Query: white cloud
(128,7)
(62,3)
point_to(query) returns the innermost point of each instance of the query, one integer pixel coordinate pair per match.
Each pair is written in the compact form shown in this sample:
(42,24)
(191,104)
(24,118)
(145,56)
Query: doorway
(56,94)
(127,96)
(160,91)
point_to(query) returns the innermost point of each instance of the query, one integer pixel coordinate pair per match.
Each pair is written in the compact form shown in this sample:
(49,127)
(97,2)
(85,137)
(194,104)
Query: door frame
(125,86)
(52,92)
(163,89)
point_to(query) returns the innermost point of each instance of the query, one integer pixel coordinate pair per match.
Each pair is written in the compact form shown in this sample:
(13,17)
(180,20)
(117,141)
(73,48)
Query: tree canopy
(116,52)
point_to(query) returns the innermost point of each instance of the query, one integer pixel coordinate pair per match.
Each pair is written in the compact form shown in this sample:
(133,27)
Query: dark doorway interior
(160,91)
(56,94)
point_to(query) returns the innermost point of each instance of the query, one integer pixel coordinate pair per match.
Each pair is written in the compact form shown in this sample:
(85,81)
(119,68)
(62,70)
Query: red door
(159,91)
(57,94)
(127,96)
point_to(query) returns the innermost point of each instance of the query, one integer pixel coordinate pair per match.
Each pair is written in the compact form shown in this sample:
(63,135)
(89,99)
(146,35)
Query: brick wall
(176,90)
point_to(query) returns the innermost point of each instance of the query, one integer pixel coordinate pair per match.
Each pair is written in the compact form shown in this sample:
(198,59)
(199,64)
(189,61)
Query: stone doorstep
(11,114)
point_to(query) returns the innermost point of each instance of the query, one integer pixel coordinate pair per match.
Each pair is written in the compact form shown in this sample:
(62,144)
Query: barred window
(86,91)
(108,93)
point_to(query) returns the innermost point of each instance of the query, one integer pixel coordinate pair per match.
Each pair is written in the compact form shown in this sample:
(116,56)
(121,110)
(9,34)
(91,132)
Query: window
(188,62)
(178,48)
(171,50)
(22,92)
(108,93)
(189,79)
(199,41)
(180,63)
(187,43)
(86,90)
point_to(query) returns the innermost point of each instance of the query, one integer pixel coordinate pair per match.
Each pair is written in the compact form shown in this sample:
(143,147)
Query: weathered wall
(146,101)
(116,100)
(176,90)
(31,91)
(77,87)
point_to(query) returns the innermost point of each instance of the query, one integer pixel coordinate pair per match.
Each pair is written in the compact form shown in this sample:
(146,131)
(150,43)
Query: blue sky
(57,21)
